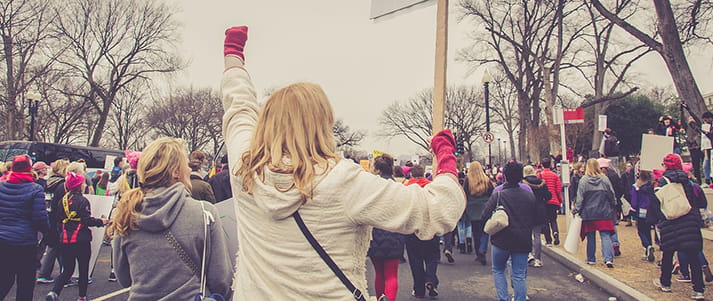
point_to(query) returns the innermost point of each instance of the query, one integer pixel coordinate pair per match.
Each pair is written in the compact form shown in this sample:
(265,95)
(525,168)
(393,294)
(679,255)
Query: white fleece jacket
(275,261)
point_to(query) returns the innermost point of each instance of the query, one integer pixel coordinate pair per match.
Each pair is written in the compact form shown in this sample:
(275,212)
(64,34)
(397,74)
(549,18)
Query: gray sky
(362,65)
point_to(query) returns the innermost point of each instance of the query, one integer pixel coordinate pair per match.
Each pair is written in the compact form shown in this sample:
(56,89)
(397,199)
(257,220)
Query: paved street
(465,280)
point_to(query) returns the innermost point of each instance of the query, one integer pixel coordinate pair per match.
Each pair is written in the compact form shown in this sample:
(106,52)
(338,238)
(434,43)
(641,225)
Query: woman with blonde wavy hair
(159,231)
(478,189)
(289,182)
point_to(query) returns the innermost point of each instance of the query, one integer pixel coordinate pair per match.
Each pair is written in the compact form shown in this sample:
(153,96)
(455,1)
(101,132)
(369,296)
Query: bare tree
(667,42)
(62,116)
(527,40)
(608,58)
(346,138)
(503,104)
(112,43)
(24,28)
(128,126)
(193,115)
(412,119)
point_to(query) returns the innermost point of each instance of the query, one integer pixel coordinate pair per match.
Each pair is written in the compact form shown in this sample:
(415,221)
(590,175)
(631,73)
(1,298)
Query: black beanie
(512,172)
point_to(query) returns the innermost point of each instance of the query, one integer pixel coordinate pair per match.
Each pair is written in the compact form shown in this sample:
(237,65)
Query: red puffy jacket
(554,185)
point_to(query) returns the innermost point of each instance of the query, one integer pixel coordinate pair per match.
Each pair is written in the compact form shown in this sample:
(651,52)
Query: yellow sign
(364,164)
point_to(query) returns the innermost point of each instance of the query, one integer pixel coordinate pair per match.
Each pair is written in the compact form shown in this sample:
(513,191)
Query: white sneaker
(537,263)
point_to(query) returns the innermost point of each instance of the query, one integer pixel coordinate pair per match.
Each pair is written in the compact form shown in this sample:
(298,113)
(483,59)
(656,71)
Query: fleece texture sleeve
(424,211)
(241,111)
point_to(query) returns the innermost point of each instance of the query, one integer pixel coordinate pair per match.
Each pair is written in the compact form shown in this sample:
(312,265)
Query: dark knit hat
(673,161)
(513,172)
(21,163)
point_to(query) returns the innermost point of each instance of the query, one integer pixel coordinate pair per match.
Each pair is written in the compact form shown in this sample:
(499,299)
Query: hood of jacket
(676,176)
(534,182)
(593,181)
(161,207)
(420,181)
(53,182)
(275,191)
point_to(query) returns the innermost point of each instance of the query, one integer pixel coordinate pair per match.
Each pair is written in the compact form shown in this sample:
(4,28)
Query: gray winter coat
(145,260)
(595,199)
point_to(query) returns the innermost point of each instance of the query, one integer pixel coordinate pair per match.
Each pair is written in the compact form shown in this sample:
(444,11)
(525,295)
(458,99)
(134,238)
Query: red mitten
(235,38)
(443,146)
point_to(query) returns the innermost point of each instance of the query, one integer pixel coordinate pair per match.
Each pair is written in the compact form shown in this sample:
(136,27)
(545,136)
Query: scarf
(19,177)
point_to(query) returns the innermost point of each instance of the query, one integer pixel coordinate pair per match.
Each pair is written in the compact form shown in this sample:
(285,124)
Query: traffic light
(459,146)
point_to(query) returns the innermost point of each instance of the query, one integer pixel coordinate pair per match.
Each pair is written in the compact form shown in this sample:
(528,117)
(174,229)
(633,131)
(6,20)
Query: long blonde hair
(60,167)
(592,168)
(296,123)
(478,182)
(163,163)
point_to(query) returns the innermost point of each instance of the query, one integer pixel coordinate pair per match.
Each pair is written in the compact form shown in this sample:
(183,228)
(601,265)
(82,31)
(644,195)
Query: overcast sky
(362,65)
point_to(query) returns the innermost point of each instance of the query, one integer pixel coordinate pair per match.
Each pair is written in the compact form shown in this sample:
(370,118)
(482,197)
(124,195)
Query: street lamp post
(34,99)
(500,153)
(505,150)
(486,82)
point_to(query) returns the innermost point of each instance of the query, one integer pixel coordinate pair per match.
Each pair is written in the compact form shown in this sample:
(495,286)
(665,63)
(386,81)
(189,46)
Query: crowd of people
(307,219)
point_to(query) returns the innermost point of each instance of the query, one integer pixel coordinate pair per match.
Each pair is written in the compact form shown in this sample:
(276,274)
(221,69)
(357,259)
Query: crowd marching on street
(307,218)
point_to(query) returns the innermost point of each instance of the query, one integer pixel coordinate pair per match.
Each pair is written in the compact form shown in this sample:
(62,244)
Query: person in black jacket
(542,195)
(220,182)
(682,234)
(22,215)
(515,241)
(50,242)
(386,248)
(75,237)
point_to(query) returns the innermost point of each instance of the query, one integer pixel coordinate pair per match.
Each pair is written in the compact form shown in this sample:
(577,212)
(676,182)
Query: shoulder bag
(356,293)
(674,202)
(207,220)
(499,220)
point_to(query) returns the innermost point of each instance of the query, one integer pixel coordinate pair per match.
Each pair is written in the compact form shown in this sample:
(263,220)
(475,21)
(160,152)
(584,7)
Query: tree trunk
(101,123)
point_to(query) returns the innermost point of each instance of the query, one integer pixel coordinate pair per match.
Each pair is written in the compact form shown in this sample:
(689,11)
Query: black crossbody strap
(356,293)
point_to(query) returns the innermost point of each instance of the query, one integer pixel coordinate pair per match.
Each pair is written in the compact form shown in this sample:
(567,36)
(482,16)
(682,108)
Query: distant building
(708,100)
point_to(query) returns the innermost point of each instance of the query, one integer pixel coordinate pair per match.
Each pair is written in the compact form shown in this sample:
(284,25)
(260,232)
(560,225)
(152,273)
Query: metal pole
(33,113)
(487,119)
(500,153)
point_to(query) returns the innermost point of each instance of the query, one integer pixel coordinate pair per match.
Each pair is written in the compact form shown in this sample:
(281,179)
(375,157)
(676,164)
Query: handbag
(356,293)
(571,243)
(498,221)
(674,202)
(183,255)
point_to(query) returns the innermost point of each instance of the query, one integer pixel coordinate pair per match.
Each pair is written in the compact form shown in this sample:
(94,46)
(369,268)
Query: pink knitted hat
(73,181)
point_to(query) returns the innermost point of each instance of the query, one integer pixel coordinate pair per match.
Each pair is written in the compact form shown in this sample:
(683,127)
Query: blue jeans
(518,274)
(707,165)
(643,228)
(464,230)
(607,246)
(615,235)
(683,262)
(480,238)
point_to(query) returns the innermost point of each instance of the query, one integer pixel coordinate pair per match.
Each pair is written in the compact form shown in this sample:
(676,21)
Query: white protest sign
(101,207)
(226,211)
(602,123)
(382,8)
(653,149)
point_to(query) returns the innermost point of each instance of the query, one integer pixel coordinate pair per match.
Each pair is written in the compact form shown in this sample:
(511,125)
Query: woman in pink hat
(75,238)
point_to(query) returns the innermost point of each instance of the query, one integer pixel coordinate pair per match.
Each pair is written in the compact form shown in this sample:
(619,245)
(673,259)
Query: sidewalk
(631,278)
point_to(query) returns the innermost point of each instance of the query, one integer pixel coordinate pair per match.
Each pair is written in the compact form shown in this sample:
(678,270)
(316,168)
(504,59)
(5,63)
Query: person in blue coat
(22,215)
